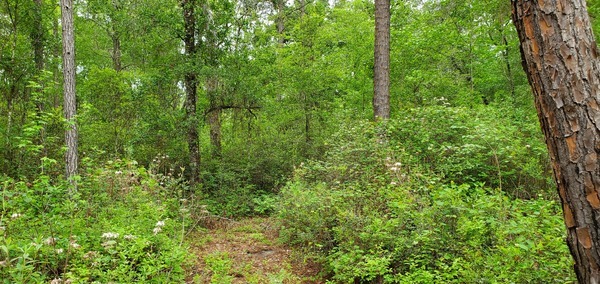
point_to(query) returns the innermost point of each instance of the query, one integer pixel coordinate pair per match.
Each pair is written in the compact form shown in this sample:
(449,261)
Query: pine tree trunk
(560,57)
(69,107)
(381,70)
(191,86)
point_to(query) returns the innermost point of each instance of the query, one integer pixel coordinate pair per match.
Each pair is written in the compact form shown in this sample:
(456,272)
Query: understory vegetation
(370,210)
(456,187)
(124,224)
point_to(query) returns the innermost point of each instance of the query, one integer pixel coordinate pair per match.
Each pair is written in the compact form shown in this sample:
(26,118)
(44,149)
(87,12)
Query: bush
(123,224)
(370,212)
(477,145)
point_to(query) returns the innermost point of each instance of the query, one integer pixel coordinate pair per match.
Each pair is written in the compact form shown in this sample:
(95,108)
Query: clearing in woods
(247,251)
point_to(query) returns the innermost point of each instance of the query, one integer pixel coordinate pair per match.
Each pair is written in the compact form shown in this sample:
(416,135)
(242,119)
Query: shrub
(371,212)
(123,224)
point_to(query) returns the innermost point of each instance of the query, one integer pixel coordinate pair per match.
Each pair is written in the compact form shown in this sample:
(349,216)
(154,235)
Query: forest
(245,141)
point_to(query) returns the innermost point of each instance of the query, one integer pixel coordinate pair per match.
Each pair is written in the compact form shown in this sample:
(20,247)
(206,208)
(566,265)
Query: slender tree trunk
(70,110)
(191,86)
(280,21)
(116,52)
(561,60)
(116,39)
(56,53)
(509,73)
(214,115)
(381,70)
(38,36)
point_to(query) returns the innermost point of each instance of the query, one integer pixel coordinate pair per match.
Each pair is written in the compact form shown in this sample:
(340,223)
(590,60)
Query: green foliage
(477,145)
(124,224)
(220,265)
(370,211)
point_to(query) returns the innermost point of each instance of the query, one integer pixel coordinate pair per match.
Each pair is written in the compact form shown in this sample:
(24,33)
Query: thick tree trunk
(70,110)
(560,57)
(191,86)
(381,70)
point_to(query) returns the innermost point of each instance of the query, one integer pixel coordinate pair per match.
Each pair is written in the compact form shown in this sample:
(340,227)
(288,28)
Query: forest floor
(247,251)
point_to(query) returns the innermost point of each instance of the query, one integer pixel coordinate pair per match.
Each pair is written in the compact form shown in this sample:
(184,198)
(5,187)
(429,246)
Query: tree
(561,60)
(381,71)
(70,109)
(191,85)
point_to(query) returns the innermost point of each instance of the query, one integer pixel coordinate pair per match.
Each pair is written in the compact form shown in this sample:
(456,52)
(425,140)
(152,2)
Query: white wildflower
(394,169)
(75,245)
(90,254)
(50,241)
(398,164)
(156,230)
(56,281)
(59,251)
(118,172)
(393,183)
(15,215)
(160,224)
(129,237)
(110,235)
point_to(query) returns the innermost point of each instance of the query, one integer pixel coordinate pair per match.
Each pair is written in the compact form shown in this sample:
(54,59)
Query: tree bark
(214,115)
(381,70)
(116,52)
(38,36)
(191,86)
(116,39)
(561,60)
(69,107)
(280,21)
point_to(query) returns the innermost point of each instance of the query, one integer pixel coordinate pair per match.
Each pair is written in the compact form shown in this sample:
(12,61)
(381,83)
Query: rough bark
(191,86)
(69,106)
(560,57)
(381,70)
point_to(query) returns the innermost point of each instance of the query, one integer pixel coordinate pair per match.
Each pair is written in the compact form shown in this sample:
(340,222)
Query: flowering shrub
(370,212)
(121,226)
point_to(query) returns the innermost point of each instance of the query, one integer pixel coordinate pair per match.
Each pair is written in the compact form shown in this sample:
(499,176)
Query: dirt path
(247,251)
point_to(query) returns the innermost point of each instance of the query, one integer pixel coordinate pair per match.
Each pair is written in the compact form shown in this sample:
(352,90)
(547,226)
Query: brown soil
(247,251)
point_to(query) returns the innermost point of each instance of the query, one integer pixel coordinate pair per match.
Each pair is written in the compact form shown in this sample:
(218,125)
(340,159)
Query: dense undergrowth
(419,200)
(437,194)
(124,224)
